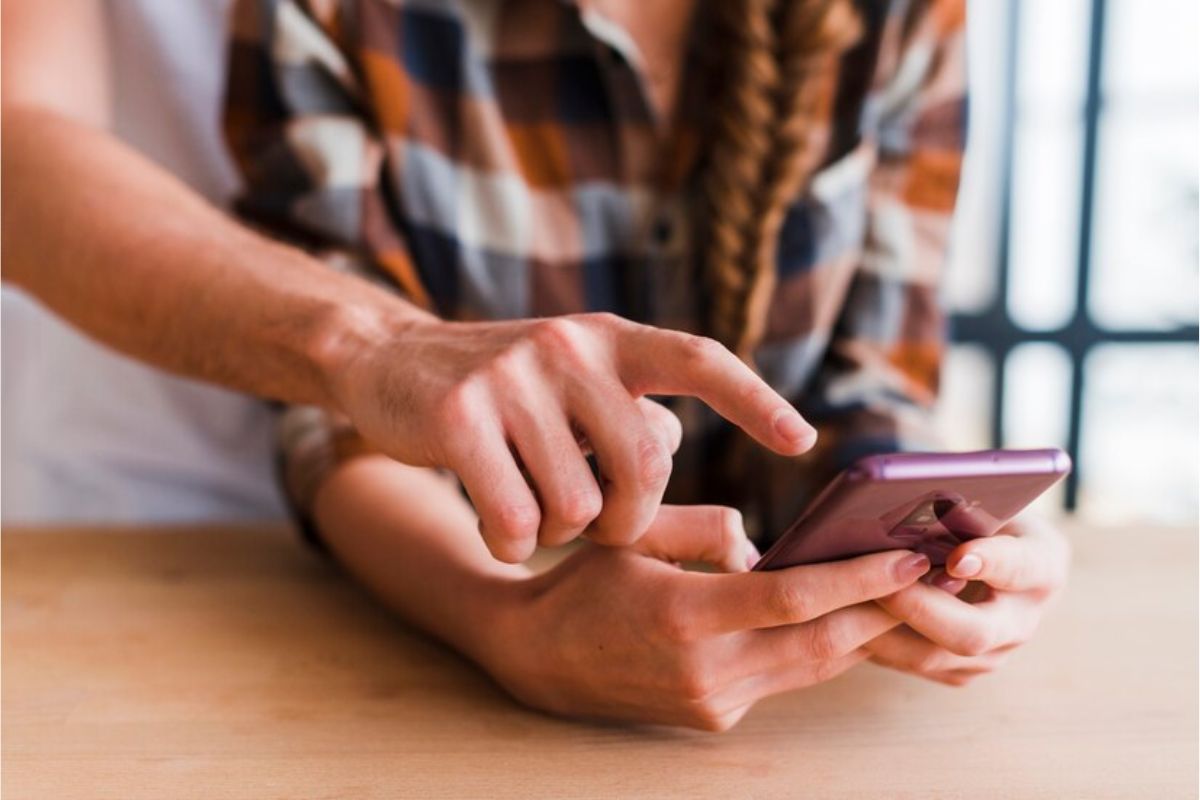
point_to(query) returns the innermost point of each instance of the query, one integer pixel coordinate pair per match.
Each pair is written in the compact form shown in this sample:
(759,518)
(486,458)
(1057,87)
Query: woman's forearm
(134,258)
(410,537)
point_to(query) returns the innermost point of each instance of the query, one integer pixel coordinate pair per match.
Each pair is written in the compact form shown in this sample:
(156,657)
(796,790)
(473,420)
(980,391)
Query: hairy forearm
(408,535)
(135,259)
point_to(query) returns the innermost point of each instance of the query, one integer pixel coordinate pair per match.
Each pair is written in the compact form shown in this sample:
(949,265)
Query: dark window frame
(993,329)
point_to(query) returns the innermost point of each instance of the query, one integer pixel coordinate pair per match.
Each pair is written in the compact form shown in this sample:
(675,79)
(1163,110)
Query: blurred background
(1073,278)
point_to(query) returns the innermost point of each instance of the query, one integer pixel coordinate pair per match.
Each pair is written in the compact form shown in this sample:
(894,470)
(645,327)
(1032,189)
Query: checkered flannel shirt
(496,160)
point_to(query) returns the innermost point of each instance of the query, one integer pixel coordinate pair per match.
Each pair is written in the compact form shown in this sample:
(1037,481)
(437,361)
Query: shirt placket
(655,287)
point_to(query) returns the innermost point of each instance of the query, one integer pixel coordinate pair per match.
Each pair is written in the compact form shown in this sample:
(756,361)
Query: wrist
(347,327)
(490,628)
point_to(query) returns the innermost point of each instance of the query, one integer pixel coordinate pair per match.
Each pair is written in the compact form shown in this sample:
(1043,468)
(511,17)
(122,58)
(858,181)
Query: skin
(540,385)
(613,633)
(1014,577)
(625,634)
(210,299)
(659,30)
(131,256)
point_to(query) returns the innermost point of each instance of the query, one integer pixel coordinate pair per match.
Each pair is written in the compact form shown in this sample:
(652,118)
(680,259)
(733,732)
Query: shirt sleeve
(876,386)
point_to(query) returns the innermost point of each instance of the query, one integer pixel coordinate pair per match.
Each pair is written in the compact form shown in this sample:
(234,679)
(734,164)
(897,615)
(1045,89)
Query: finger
(724,603)
(963,628)
(508,512)
(908,651)
(945,582)
(664,420)
(711,534)
(741,694)
(657,361)
(838,633)
(727,719)
(958,677)
(1012,563)
(566,490)
(716,714)
(961,677)
(633,458)
(790,677)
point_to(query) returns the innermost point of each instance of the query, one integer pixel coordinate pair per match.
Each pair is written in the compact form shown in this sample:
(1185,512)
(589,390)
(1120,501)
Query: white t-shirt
(90,435)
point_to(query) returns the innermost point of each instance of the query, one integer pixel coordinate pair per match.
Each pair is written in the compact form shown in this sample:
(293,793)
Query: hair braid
(765,139)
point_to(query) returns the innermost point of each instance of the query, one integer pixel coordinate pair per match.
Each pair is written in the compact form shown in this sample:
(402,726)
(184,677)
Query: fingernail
(949,584)
(752,555)
(792,427)
(912,566)
(966,567)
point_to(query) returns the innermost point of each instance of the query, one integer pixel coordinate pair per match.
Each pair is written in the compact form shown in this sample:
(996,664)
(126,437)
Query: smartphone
(926,502)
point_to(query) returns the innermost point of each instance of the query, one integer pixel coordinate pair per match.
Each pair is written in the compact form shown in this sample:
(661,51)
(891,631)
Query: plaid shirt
(496,160)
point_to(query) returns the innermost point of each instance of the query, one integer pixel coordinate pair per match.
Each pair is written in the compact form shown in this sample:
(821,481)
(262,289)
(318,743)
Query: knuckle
(509,365)
(929,663)
(579,508)
(697,685)
(653,463)
(974,642)
(663,420)
(457,409)
(711,719)
(911,605)
(1017,575)
(671,620)
(557,336)
(732,538)
(701,349)
(733,528)
(823,671)
(515,520)
(820,641)
(865,584)
(789,601)
(604,319)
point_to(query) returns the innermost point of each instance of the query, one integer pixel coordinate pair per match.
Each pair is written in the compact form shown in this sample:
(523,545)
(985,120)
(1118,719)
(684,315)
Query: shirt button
(663,229)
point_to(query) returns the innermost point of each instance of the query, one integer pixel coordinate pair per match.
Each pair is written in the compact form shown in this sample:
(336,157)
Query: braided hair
(777,61)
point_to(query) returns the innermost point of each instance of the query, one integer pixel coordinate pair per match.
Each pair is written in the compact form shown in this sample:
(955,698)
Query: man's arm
(132,257)
(127,253)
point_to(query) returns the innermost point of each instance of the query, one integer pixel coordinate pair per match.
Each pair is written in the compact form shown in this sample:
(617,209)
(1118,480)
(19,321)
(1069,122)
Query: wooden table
(232,663)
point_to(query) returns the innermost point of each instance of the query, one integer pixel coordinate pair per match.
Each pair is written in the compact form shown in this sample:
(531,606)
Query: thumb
(711,534)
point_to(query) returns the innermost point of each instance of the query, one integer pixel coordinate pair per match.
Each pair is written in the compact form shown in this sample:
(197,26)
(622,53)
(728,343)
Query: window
(1073,276)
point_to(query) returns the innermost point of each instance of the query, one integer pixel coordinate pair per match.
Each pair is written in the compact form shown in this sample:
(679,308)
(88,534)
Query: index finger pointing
(749,600)
(659,361)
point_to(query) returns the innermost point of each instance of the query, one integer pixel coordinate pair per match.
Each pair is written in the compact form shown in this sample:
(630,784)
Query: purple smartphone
(926,502)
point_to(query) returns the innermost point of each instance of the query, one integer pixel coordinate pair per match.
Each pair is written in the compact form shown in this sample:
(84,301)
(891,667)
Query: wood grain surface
(230,662)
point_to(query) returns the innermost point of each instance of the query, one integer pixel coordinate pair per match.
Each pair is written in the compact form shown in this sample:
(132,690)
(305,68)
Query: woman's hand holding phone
(1014,576)
(612,633)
